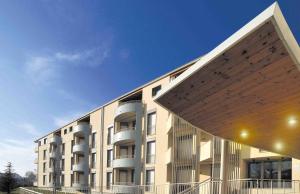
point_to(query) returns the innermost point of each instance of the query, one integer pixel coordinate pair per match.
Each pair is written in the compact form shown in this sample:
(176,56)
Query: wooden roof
(248,84)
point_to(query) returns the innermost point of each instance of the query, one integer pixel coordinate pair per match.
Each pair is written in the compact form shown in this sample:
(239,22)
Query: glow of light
(292,121)
(278,146)
(244,134)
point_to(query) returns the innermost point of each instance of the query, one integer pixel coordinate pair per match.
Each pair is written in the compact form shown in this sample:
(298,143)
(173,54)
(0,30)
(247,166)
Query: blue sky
(60,59)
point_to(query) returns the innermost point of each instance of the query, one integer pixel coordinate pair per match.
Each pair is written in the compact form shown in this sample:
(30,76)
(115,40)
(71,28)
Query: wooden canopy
(247,89)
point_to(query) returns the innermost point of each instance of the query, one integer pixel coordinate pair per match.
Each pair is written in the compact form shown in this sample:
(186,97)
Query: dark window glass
(286,170)
(254,170)
(155,90)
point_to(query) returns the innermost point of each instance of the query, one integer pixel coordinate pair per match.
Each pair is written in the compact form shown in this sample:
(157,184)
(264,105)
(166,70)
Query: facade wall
(204,151)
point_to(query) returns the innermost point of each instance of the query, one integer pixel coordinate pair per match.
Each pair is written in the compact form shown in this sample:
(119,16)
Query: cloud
(41,69)
(19,152)
(63,120)
(44,69)
(28,128)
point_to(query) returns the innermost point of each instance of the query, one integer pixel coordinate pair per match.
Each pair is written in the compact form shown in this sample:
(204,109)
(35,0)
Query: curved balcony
(51,169)
(53,154)
(55,140)
(124,162)
(80,167)
(124,188)
(128,109)
(124,136)
(79,148)
(36,149)
(81,129)
(36,161)
(78,184)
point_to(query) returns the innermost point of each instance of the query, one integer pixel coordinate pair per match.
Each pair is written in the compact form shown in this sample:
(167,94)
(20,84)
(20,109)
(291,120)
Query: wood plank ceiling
(253,87)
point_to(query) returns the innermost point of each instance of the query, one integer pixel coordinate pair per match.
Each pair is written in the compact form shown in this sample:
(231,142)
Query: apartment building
(139,141)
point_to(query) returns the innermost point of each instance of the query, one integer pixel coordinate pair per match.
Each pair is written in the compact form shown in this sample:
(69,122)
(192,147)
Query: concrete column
(224,166)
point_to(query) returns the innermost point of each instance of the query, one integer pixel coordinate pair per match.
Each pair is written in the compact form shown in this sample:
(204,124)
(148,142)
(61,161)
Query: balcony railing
(124,156)
(151,130)
(109,163)
(210,186)
(150,159)
(125,129)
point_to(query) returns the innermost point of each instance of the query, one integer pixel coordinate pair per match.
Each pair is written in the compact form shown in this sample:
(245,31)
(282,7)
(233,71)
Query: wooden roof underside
(254,85)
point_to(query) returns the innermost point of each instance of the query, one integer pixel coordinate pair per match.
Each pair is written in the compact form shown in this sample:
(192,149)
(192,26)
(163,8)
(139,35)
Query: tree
(30,177)
(7,180)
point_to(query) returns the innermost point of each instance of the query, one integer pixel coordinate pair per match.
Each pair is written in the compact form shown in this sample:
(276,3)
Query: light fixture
(244,134)
(278,146)
(292,121)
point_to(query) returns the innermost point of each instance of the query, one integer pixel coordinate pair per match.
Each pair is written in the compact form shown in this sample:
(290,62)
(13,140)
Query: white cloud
(19,152)
(43,69)
(28,128)
(63,120)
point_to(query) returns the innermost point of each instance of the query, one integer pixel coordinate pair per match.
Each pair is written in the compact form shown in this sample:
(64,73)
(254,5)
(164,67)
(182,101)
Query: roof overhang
(247,88)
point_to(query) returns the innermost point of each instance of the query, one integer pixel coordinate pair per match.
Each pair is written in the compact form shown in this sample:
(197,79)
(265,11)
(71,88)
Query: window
(50,177)
(44,167)
(72,144)
(149,180)
(151,123)
(132,176)
(286,170)
(109,157)
(72,163)
(72,179)
(40,143)
(63,149)
(44,180)
(109,135)
(93,140)
(62,164)
(93,164)
(93,178)
(45,140)
(270,170)
(45,154)
(65,131)
(150,158)
(71,129)
(62,180)
(155,90)
(109,179)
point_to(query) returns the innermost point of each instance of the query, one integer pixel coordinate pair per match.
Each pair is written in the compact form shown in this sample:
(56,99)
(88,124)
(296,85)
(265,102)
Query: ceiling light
(292,121)
(244,134)
(278,146)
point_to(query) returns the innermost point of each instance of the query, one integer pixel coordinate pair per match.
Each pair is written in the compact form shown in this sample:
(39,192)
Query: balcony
(81,129)
(79,148)
(80,167)
(55,140)
(36,161)
(53,154)
(124,136)
(124,188)
(128,110)
(36,149)
(78,184)
(51,169)
(126,161)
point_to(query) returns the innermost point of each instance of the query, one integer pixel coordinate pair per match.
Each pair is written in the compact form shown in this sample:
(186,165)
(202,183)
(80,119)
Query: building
(166,136)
